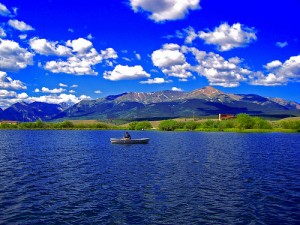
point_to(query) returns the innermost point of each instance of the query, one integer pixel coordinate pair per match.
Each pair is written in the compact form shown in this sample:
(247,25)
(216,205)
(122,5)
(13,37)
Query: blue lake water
(78,177)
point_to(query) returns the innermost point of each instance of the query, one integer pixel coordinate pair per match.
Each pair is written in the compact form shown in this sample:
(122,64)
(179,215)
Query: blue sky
(65,51)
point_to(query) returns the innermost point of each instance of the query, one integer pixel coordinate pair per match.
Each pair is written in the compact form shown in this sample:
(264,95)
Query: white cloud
(37,90)
(22,96)
(273,64)
(189,34)
(13,57)
(266,80)
(279,73)
(228,37)
(171,61)
(168,56)
(162,10)
(72,91)
(126,73)
(156,80)
(218,71)
(7,94)
(53,91)
(8,83)
(74,86)
(23,36)
(4,11)
(20,25)
(7,98)
(97,92)
(281,44)
(4,94)
(109,53)
(176,89)
(81,60)
(71,30)
(44,47)
(57,99)
(80,45)
(2,32)
(73,65)
(62,85)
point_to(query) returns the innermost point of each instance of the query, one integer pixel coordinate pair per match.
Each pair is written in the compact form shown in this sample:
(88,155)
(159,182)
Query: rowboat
(129,141)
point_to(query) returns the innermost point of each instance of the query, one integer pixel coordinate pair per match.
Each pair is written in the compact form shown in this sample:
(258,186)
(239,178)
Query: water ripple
(78,177)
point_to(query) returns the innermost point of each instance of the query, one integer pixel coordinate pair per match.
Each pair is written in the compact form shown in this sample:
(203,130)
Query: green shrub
(132,125)
(191,125)
(66,124)
(168,125)
(244,121)
(144,125)
(260,123)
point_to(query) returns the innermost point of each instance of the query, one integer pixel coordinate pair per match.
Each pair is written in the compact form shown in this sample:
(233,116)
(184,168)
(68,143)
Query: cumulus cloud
(4,11)
(52,91)
(279,73)
(156,80)
(44,47)
(82,56)
(273,64)
(13,57)
(126,73)
(171,61)
(80,45)
(281,44)
(74,86)
(219,71)
(8,83)
(4,94)
(162,10)
(7,98)
(176,89)
(57,99)
(97,92)
(227,37)
(20,25)
(2,32)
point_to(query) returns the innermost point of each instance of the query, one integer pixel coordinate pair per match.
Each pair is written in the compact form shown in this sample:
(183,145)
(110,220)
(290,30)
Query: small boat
(129,141)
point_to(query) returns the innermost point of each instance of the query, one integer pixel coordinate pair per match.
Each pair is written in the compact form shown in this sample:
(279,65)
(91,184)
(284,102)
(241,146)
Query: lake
(78,177)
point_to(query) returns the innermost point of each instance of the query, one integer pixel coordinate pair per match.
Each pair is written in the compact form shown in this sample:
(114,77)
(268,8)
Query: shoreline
(276,130)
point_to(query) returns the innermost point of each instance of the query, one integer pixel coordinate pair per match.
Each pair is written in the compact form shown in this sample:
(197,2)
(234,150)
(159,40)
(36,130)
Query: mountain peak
(207,91)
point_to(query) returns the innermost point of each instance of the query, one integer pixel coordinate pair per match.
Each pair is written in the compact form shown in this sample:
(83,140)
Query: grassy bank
(242,123)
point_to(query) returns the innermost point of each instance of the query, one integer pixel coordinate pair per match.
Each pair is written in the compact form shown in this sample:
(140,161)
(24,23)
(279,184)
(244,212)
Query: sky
(66,51)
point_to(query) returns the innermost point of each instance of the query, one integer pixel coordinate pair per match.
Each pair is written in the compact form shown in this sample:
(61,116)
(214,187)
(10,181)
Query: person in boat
(127,136)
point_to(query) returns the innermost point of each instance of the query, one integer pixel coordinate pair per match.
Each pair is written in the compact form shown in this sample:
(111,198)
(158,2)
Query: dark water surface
(78,177)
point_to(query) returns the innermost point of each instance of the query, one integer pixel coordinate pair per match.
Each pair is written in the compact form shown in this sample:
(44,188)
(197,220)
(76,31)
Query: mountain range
(28,112)
(206,101)
(170,104)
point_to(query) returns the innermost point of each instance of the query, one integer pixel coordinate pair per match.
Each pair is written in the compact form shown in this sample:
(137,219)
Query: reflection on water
(59,177)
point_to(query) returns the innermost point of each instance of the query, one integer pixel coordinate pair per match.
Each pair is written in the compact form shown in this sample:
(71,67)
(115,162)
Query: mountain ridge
(204,101)
(169,104)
